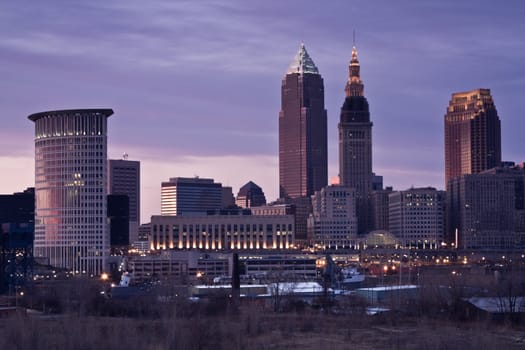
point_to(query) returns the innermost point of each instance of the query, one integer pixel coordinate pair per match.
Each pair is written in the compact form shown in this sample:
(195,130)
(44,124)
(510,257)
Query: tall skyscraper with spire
(355,144)
(472,134)
(303,160)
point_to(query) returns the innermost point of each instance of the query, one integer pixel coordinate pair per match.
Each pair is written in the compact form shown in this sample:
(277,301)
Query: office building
(333,222)
(487,209)
(277,267)
(179,265)
(379,208)
(300,208)
(228,200)
(417,217)
(222,232)
(273,209)
(124,179)
(250,195)
(355,144)
(17,218)
(188,196)
(472,134)
(144,231)
(303,160)
(71,228)
(118,220)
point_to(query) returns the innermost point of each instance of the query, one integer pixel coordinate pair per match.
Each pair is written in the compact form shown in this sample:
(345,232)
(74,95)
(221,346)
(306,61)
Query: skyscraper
(355,144)
(184,195)
(303,156)
(124,179)
(70,189)
(472,134)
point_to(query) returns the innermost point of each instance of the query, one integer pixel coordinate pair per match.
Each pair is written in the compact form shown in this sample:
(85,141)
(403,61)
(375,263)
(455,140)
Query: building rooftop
(302,63)
(105,111)
(389,288)
(498,305)
(249,187)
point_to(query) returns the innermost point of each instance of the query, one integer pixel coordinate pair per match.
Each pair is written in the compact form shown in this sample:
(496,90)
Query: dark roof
(355,110)
(106,111)
(249,187)
(355,104)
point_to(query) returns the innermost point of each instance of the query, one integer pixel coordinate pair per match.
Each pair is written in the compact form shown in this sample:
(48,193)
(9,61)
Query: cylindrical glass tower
(70,189)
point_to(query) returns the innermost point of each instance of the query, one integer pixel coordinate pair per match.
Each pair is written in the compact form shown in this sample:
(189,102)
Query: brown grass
(253,328)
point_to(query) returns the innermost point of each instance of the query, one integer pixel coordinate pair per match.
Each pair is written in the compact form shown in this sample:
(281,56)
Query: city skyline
(176,73)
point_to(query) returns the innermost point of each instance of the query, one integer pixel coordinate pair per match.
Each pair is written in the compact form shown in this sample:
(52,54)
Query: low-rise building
(242,231)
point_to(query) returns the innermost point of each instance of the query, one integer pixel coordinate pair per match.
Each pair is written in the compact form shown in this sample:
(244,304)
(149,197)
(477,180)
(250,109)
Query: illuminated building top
(302,63)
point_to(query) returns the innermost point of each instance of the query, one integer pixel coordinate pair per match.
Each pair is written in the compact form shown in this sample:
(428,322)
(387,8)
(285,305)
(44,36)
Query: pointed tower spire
(302,63)
(354,85)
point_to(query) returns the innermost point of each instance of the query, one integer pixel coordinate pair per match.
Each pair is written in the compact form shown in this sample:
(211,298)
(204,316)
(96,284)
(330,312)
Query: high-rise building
(17,230)
(70,187)
(187,196)
(472,134)
(124,179)
(250,195)
(487,209)
(417,217)
(303,160)
(379,208)
(333,223)
(118,220)
(355,144)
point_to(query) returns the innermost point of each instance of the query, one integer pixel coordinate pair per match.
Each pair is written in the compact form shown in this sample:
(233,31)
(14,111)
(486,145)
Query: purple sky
(195,85)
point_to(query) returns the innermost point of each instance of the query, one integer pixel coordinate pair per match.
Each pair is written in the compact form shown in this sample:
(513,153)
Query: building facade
(273,209)
(124,179)
(118,220)
(379,208)
(17,231)
(472,134)
(179,265)
(183,196)
(222,232)
(70,187)
(303,159)
(487,209)
(250,195)
(417,217)
(333,222)
(355,144)
(283,266)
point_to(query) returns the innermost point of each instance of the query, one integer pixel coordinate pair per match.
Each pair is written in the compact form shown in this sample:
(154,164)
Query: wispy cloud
(157,35)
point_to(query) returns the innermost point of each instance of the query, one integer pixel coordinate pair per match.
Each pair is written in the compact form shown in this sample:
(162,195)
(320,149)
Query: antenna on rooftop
(353,38)
(125,156)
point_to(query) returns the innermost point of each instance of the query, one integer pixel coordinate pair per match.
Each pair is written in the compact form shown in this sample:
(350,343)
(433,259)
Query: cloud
(158,36)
